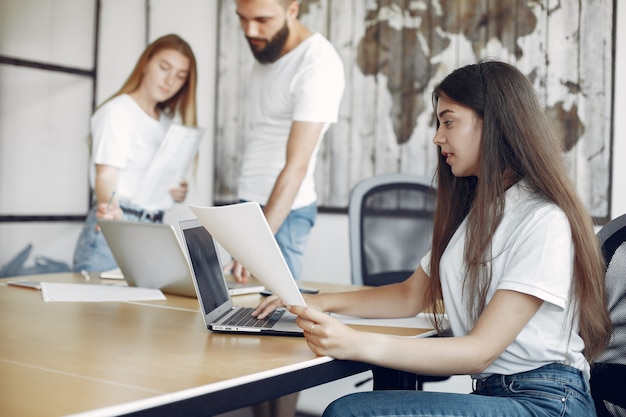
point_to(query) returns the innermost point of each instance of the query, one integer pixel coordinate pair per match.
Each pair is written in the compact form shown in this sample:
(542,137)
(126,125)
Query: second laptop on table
(150,255)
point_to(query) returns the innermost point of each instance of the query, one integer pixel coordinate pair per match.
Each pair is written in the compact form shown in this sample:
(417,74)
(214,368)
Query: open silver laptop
(218,310)
(150,255)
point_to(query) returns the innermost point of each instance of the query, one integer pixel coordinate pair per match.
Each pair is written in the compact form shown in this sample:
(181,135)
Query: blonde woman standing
(126,131)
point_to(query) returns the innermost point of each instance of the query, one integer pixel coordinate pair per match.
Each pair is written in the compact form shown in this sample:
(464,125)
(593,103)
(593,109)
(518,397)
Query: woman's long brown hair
(518,142)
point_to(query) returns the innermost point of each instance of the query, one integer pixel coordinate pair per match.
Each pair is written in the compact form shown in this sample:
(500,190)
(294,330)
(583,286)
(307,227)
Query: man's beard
(273,48)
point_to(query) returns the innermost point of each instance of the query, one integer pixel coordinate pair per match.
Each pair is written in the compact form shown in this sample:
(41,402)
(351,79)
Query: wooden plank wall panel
(595,106)
(395,51)
(231,86)
(337,141)
(562,58)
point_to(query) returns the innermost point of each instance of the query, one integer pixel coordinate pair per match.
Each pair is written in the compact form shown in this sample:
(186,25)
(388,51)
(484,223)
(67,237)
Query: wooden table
(143,358)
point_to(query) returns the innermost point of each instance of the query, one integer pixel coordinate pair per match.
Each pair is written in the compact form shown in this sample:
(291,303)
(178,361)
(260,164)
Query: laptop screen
(212,288)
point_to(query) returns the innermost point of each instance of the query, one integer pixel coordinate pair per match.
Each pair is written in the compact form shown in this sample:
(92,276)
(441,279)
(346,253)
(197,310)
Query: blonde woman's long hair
(184,101)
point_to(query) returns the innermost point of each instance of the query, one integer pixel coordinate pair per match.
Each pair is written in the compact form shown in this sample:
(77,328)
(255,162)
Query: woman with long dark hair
(514,258)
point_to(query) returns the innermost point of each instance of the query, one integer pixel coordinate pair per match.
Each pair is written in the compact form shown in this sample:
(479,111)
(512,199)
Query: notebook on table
(218,310)
(150,255)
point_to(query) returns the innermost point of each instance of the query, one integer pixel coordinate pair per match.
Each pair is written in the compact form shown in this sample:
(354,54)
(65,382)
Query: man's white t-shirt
(125,137)
(532,254)
(304,85)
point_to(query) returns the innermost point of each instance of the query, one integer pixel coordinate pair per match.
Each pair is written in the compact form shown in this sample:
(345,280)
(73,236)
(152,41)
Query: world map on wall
(409,69)
(395,51)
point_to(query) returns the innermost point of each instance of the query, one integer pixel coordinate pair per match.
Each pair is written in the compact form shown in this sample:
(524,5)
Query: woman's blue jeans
(551,391)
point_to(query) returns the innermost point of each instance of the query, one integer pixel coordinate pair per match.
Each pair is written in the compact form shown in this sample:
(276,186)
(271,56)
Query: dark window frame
(43,66)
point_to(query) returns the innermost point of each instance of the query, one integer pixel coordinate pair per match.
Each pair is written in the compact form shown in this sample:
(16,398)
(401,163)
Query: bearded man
(295,90)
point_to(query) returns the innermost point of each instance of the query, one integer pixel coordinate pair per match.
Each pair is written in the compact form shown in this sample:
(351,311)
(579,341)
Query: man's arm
(302,140)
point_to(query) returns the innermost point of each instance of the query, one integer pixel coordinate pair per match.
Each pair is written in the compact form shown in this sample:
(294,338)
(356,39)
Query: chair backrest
(390,225)
(613,241)
(608,373)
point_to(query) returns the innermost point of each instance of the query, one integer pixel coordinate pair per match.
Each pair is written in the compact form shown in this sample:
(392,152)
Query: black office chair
(390,226)
(608,373)
(391,223)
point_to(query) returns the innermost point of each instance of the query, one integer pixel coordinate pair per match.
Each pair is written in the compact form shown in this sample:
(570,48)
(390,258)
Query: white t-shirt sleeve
(318,86)
(540,263)
(111,130)
(425,263)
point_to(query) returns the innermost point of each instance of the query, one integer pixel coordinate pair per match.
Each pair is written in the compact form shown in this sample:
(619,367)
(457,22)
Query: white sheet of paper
(170,165)
(242,230)
(56,291)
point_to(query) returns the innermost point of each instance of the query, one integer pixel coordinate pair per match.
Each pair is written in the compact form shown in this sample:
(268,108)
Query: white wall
(46,112)
(31,30)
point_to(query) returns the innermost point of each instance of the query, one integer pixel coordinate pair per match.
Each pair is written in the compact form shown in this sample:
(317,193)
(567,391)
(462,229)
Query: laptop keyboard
(243,317)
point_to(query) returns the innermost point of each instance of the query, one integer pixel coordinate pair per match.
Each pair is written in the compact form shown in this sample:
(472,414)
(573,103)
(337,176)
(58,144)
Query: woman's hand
(109,210)
(267,306)
(106,181)
(325,335)
(272,302)
(179,193)
(238,271)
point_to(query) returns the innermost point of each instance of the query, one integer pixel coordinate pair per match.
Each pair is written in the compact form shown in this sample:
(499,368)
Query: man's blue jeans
(293,234)
(551,391)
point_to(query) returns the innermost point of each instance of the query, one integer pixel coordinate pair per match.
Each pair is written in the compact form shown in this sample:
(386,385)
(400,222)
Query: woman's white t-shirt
(125,137)
(532,254)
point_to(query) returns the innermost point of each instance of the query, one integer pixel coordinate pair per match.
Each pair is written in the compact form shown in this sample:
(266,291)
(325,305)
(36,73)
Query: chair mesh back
(608,373)
(396,230)
(616,294)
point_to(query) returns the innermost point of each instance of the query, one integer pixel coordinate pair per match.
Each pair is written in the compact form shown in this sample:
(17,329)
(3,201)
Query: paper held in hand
(243,232)
(169,166)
